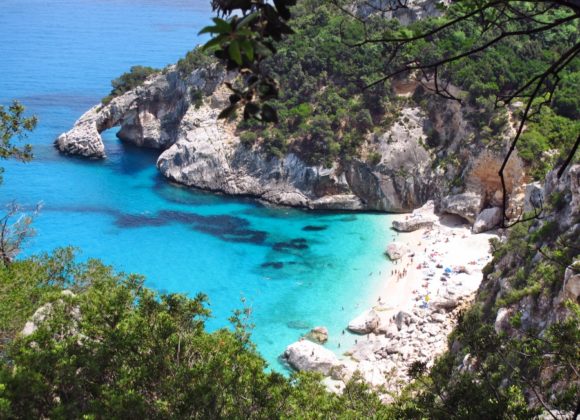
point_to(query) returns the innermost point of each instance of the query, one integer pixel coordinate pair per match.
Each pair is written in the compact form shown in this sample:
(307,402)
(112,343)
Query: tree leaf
(248,49)
(222,26)
(214,42)
(235,53)
(247,20)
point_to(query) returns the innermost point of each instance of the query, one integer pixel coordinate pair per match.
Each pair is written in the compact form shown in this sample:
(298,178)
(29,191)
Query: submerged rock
(318,335)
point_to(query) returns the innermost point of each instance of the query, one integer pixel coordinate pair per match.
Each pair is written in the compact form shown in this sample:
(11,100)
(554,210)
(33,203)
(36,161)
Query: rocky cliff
(178,115)
(524,325)
(422,148)
(202,152)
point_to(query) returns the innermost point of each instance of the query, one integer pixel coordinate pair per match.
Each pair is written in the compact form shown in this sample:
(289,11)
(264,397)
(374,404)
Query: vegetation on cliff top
(135,77)
(329,100)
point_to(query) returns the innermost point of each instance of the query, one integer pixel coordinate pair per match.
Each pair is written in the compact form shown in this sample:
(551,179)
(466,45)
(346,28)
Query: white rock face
(371,373)
(467,205)
(396,250)
(200,152)
(44,311)
(365,323)
(487,220)
(419,219)
(501,320)
(39,316)
(305,355)
(402,319)
(84,139)
(534,196)
(571,287)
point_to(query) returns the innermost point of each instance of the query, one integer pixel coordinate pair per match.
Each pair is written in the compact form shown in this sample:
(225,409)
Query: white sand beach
(436,270)
(439,270)
(448,250)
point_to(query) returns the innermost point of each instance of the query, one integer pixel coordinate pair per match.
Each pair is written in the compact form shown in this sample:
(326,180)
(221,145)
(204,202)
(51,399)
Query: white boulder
(365,323)
(305,355)
(396,250)
(467,205)
(487,220)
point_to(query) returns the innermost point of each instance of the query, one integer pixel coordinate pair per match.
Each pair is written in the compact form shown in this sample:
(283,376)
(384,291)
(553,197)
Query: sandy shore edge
(416,306)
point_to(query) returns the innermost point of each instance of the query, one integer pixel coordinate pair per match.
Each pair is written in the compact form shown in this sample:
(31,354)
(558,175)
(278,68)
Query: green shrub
(196,97)
(248,138)
(374,158)
(128,81)
(194,59)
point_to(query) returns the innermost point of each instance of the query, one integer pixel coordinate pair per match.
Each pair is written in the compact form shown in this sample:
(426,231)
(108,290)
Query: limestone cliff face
(208,155)
(148,116)
(526,290)
(178,115)
(202,152)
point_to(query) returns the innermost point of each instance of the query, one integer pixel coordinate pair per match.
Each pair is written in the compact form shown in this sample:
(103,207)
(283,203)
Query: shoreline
(449,243)
(435,275)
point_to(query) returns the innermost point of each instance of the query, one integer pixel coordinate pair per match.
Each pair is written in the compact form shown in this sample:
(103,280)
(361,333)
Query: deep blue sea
(58,58)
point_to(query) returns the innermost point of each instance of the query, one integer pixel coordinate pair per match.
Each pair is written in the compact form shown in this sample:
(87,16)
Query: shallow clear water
(58,58)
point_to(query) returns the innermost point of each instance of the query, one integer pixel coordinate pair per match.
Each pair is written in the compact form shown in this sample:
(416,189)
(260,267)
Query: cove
(294,269)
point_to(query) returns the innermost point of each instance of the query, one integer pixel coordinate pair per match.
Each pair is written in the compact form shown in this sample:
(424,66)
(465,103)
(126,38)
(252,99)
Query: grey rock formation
(318,335)
(571,286)
(396,250)
(413,224)
(502,320)
(148,115)
(487,220)
(419,219)
(466,205)
(534,196)
(405,12)
(166,113)
(403,179)
(364,323)
(45,311)
(209,156)
(402,318)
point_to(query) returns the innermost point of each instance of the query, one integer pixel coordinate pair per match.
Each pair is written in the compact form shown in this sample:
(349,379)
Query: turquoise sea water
(295,269)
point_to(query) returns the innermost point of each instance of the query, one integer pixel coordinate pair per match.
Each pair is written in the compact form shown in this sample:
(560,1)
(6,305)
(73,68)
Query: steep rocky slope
(198,150)
(524,326)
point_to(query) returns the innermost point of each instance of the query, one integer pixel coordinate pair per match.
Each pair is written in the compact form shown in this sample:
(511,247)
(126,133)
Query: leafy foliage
(243,41)
(194,59)
(548,139)
(128,81)
(116,349)
(13,123)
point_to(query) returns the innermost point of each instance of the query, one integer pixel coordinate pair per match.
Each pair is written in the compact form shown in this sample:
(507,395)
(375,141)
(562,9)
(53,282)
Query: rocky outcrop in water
(148,116)
(177,114)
